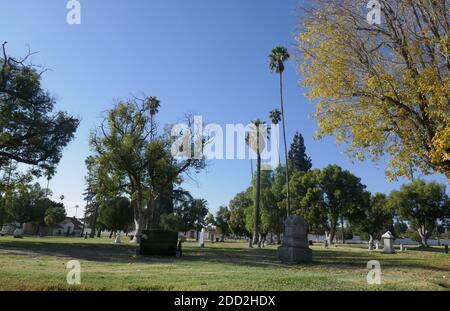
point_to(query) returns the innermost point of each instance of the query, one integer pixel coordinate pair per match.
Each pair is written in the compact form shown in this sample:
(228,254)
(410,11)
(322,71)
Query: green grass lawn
(36,263)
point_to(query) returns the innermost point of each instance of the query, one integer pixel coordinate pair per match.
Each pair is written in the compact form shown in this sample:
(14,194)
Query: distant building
(210,233)
(69,226)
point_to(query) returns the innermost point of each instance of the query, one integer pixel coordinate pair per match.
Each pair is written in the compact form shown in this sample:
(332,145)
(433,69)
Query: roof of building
(77,225)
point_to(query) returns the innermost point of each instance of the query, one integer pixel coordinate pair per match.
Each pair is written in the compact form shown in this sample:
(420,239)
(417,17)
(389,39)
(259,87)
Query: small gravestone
(295,246)
(18,233)
(401,248)
(388,241)
(201,238)
(118,239)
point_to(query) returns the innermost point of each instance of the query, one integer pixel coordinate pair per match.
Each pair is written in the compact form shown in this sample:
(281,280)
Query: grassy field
(39,264)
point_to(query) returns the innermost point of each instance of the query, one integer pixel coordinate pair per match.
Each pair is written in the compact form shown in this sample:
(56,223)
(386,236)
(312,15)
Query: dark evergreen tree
(298,159)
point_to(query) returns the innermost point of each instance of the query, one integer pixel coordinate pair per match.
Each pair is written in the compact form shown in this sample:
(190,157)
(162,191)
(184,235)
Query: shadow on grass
(83,251)
(431,249)
(342,259)
(252,257)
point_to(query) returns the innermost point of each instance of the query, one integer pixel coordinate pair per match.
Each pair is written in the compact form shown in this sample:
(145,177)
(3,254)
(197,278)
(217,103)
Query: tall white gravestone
(388,241)
(295,246)
(201,238)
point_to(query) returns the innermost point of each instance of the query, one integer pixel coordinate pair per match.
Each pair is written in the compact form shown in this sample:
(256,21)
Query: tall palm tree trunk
(258,194)
(288,197)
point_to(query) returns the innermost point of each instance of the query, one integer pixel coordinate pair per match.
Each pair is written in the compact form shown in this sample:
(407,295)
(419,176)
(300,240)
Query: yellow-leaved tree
(382,89)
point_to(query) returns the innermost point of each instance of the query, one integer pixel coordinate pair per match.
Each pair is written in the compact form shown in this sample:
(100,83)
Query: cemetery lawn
(34,263)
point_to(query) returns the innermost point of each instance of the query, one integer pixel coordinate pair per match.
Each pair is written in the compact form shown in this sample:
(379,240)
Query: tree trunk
(139,224)
(370,242)
(423,232)
(342,228)
(111,234)
(327,238)
(153,222)
(94,222)
(332,232)
(250,244)
(256,239)
(288,197)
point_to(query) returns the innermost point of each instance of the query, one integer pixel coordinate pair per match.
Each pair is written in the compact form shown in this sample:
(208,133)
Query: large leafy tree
(200,210)
(222,221)
(116,214)
(192,214)
(27,202)
(330,195)
(278,186)
(342,192)
(30,131)
(54,214)
(277,57)
(271,215)
(421,204)
(298,159)
(374,217)
(140,162)
(238,206)
(308,200)
(382,89)
(22,202)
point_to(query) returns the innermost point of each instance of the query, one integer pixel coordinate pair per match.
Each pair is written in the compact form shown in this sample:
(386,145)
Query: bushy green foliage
(421,204)
(55,214)
(38,134)
(172,222)
(298,159)
(116,214)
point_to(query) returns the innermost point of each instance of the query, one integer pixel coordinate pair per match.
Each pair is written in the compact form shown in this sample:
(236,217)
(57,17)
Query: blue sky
(199,56)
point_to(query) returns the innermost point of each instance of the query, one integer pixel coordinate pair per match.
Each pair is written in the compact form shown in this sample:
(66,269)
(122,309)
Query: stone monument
(18,233)
(118,239)
(295,246)
(388,241)
(201,238)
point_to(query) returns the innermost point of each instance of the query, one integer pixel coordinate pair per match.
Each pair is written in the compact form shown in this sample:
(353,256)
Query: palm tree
(275,116)
(153,104)
(276,64)
(256,139)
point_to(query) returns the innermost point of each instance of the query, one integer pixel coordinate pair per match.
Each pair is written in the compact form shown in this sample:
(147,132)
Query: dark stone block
(158,243)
